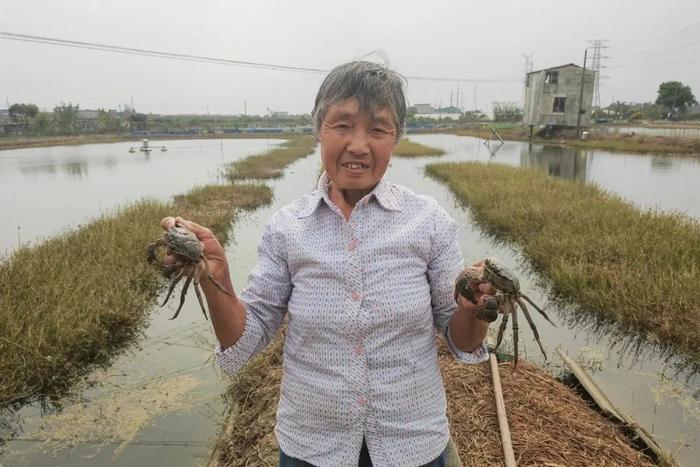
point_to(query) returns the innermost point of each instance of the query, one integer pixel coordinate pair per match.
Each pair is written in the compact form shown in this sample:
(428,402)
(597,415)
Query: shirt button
(355,296)
(352,245)
(361,401)
(358,350)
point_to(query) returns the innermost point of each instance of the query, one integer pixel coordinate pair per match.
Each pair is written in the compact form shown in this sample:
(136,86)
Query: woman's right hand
(213,251)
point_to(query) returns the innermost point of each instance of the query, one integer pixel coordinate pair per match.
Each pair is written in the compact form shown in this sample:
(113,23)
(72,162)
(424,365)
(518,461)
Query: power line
(205,59)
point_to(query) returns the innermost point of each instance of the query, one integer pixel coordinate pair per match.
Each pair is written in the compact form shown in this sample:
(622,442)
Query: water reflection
(661,163)
(76,168)
(557,161)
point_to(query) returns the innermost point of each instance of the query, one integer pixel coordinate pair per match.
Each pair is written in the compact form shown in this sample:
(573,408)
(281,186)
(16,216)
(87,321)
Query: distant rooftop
(554,68)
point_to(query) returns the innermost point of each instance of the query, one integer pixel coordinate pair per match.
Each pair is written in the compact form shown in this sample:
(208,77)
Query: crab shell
(182,242)
(501,277)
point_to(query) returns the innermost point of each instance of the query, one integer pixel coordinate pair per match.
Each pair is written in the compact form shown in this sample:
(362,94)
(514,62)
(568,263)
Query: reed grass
(407,148)
(272,163)
(71,300)
(639,268)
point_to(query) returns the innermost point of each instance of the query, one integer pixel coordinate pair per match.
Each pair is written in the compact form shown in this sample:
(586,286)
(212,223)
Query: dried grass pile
(550,424)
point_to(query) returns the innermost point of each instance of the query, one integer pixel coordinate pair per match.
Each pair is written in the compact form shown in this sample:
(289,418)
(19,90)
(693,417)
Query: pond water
(171,380)
(44,191)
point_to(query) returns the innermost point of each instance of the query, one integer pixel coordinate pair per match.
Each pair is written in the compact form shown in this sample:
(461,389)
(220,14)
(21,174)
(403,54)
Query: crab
(190,263)
(504,301)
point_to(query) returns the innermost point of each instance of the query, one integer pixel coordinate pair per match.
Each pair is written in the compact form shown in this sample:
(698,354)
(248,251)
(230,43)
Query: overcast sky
(649,42)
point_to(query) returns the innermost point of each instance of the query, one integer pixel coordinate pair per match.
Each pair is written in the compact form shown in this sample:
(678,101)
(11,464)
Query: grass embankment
(74,299)
(71,300)
(639,268)
(406,148)
(625,143)
(272,163)
(22,142)
(549,422)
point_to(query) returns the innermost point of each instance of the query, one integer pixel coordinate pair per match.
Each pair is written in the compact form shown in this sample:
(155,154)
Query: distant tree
(42,123)
(675,95)
(507,112)
(107,122)
(138,121)
(473,116)
(21,113)
(66,117)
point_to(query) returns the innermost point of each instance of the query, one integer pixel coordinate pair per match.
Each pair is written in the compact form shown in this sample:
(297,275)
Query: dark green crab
(507,295)
(190,263)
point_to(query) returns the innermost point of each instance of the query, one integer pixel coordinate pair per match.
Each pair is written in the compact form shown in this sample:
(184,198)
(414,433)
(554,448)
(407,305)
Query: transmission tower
(597,45)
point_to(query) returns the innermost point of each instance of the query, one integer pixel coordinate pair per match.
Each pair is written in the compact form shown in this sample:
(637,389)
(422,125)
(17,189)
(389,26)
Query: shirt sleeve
(265,299)
(445,265)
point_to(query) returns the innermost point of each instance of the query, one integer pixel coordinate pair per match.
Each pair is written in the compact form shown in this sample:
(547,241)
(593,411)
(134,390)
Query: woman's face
(356,147)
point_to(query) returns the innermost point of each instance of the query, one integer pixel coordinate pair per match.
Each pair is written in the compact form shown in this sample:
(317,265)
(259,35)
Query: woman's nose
(359,141)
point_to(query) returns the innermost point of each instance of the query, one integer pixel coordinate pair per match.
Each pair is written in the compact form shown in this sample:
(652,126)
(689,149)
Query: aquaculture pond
(160,403)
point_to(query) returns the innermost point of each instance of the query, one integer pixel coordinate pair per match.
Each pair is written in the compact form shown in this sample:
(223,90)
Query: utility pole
(245,108)
(580,97)
(475,95)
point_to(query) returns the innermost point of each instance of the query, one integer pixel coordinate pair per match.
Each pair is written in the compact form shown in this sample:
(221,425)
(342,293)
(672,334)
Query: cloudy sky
(649,42)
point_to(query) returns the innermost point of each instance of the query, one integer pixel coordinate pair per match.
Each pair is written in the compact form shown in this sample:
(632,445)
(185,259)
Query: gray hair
(375,86)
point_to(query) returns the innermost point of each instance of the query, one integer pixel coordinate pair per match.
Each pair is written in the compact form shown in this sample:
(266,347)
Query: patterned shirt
(365,297)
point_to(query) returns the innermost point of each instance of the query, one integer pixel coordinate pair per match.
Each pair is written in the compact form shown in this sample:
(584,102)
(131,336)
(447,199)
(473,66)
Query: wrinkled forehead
(352,108)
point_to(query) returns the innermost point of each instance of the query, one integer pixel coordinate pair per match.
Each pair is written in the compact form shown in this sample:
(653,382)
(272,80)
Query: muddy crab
(507,296)
(190,264)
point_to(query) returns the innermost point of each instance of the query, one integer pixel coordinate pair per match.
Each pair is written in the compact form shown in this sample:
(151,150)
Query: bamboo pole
(609,409)
(509,456)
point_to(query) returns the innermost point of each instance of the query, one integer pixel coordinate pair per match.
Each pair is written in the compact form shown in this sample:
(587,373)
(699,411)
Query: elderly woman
(365,270)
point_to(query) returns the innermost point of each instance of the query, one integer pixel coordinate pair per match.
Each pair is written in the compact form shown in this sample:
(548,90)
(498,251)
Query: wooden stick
(609,409)
(506,442)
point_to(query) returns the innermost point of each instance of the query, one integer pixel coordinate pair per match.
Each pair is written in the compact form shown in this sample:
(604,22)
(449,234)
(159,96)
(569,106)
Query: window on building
(559,104)
(527,81)
(551,77)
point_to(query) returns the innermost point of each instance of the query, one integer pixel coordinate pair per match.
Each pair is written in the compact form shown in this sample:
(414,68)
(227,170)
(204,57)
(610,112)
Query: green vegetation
(72,299)
(407,148)
(675,95)
(640,268)
(272,163)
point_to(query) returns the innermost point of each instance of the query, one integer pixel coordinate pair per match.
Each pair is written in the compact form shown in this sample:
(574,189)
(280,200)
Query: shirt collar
(385,193)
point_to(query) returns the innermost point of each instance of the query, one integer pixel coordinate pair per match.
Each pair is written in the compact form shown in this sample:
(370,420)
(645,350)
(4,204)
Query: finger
(483,298)
(198,230)
(487,288)
(169,259)
(167,222)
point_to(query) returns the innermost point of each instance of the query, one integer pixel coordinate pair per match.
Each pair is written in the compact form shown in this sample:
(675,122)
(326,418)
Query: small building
(423,108)
(87,121)
(552,96)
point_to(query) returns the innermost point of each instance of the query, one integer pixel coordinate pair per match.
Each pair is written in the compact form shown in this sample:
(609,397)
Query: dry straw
(550,424)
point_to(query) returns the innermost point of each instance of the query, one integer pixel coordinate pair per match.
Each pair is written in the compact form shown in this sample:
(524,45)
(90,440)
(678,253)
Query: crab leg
(211,278)
(538,309)
(199,297)
(532,325)
(515,334)
(197,274)
(504,323)
(172,286)
(190,273)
